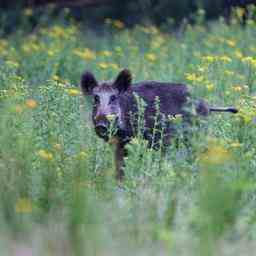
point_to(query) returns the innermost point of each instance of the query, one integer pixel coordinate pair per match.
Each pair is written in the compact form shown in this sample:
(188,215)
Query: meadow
(58,195)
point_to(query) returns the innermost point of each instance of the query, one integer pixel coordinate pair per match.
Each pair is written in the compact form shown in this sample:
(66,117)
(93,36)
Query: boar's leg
(120,153)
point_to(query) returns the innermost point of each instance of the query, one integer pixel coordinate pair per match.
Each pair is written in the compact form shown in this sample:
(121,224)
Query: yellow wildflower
(18,109)
(57,32)
(229,72)
(151,57)
(135,141)
(3,43)
(28,12)
(209,58)
(253,49)
(85,54)
(193,77)
(190,76)
(59,172)
(237,88)
(106,53)
(220,39)
(89,54)
(240,12)
(57,146)
(82,155)
(119,51)
(240,77)
(235,145)
(157,42)
(201,12)
(247,59)
(201,69)
(215,154)
(50,53)
(176,119)
(144,29)
(31,103)
(60,81)
(118,24)
(108,21)
(23,205)
(103,65)
(73,92)
(111,117)
(3,46)
(238,54)
(30,47)
(246,118)
(210,87)
(114,66)
(251,22)
(86,183)
(45,155)
(153,30)
(247,115)
(56,78)
(12,64)
(231,43)
(225,59)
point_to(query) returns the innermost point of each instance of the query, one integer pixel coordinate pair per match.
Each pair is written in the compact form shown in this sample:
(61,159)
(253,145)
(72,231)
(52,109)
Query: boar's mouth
(106,135)
(102,132)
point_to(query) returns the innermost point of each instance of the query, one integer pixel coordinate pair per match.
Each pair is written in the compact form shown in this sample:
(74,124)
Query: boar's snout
(103,124)
(101,129)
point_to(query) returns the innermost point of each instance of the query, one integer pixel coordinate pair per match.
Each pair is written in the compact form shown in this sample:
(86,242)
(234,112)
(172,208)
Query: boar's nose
(101,129)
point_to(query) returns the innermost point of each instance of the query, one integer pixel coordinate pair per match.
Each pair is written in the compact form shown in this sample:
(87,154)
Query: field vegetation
(58,195)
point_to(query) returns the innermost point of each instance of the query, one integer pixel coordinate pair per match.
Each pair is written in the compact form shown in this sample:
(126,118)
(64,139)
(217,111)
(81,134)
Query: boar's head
(107,111)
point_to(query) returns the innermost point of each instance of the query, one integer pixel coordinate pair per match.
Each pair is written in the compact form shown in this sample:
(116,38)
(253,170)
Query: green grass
(58,194)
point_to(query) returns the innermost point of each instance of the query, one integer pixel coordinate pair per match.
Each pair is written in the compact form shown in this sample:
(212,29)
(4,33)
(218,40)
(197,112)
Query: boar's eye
(96,99)
(112,98)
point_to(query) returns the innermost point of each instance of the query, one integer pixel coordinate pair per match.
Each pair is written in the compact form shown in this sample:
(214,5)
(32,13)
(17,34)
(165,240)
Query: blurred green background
(94,12)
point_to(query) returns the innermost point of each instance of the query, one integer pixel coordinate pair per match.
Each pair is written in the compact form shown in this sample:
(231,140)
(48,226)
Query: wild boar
(116,108)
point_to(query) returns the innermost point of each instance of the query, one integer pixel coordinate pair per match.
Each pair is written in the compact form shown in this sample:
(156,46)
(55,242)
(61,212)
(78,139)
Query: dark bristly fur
(119,99)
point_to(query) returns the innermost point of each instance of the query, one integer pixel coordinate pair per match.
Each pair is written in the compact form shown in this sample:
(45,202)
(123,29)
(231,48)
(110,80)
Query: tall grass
(58,195)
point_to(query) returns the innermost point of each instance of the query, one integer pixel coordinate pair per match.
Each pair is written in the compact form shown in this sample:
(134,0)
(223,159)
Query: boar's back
(172,97)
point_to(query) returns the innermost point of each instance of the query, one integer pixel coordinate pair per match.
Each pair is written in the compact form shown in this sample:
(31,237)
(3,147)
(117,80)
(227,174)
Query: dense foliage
(58,195)
(164,13)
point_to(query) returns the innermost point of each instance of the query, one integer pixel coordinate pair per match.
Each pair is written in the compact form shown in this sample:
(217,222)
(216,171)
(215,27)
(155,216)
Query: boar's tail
(231,110)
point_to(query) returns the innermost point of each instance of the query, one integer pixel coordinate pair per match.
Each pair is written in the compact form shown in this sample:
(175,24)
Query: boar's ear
(88,82)
(123,80)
